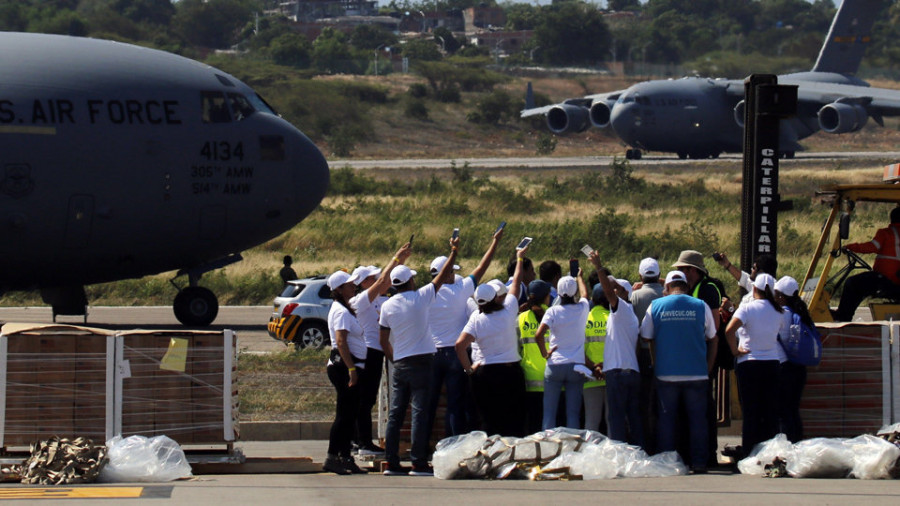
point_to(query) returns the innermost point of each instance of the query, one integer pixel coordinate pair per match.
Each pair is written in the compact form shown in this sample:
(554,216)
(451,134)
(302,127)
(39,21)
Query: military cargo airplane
(120,161)
(701,117)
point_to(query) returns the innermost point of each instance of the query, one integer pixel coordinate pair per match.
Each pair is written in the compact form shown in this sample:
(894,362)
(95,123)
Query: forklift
(818,289)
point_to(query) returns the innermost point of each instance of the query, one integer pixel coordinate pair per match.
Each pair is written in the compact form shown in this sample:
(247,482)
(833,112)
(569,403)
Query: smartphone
(587,250)
(524,244)
(573,268)
(455,233)
(413,236)
(717,256)
(500,227)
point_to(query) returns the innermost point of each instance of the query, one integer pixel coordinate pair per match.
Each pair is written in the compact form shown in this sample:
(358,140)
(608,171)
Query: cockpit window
(240,106)
(260,104)
(215,107)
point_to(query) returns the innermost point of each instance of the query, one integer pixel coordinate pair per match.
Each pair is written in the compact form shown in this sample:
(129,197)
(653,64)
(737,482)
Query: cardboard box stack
(72,381)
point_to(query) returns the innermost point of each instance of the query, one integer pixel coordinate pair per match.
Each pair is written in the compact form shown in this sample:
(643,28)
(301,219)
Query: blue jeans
(555,378)
(409,384)
(623,396)
(446,369)
(692,396)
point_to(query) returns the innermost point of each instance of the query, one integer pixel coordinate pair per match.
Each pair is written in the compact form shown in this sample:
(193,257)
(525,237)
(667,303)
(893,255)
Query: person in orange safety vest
(884,273)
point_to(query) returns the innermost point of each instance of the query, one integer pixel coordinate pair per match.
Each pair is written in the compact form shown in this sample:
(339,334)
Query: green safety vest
(595,339)
(705,280)
(533,363)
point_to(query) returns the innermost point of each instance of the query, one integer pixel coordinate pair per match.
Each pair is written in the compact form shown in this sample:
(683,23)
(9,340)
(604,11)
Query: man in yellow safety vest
(595,339)
(533,363)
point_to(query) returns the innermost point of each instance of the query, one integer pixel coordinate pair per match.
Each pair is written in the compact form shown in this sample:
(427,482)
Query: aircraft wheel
(629,154)
(196,306)
(714,155)
(788,155)
(636,154)
(682,155)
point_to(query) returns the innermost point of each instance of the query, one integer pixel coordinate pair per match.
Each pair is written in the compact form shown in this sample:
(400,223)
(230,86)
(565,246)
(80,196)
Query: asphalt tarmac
(720,487)
(717,488)
(595,161)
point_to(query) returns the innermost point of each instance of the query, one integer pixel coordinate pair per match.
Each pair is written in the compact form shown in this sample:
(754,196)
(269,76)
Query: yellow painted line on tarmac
(71,493)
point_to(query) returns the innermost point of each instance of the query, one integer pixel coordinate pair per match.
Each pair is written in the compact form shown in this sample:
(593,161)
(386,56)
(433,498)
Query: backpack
(803,345)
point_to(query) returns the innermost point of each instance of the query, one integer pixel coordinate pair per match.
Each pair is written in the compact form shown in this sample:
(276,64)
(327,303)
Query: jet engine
(841,117)
(600,114)
(568,118)
(739,114)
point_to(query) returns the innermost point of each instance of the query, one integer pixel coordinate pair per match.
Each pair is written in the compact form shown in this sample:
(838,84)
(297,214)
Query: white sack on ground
(553,453)
(764,453)
(142,459)
(866,457)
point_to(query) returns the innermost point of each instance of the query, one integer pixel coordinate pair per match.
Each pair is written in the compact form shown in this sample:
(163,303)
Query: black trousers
(499,391)
(758,388)
(346,407)
(369,381)
(857,288)
(790,391)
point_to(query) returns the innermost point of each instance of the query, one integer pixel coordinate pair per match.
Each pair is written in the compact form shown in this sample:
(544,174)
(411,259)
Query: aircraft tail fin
(529,97)
(848,37)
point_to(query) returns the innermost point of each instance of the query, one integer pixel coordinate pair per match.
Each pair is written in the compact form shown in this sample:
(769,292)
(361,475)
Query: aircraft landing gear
(682,155)
(194,305)
(633,154)
(787,155)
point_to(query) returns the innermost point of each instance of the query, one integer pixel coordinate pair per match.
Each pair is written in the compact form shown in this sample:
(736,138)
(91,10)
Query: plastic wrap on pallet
(553,454)
(75,381)
(847,393)
(865,457)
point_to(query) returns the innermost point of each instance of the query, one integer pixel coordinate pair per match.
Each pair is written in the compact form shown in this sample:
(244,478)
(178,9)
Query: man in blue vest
(682,334)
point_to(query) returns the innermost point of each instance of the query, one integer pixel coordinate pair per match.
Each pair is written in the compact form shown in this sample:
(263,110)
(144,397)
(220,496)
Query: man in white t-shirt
(446,318)
(620,364)
(408,345)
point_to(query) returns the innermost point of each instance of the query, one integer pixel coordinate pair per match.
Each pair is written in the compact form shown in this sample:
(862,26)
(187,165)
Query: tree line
(566,32)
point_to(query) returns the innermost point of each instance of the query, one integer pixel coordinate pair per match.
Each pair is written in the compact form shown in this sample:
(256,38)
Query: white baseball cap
(339,278)
(674,276)
(373,270)
(401,274)
(361,273)
(567,287)
(484,294)
(787,285)
(764,280)
(625,284)
(649,267)
(499,286)
(438,263)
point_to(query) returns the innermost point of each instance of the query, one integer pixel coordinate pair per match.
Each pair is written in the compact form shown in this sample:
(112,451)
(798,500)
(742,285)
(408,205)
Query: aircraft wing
(584,102)
(877,101)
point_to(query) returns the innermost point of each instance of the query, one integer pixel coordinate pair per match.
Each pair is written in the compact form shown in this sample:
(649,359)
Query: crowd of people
(636,362)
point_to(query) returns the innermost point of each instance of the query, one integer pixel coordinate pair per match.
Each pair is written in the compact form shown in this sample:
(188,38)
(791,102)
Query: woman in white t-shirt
(498,383)
(348,353)
(752,335)
(566,322)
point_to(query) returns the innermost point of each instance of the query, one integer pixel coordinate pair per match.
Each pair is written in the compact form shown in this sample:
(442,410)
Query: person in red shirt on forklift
(884,274)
